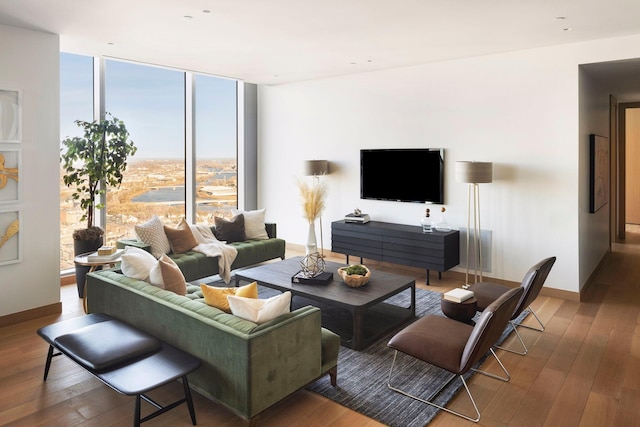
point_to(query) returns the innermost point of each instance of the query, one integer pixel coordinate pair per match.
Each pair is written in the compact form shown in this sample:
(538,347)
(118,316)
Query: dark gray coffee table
(358,315)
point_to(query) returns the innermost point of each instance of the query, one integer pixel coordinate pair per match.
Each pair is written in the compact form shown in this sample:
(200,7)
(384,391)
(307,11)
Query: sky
(150,101)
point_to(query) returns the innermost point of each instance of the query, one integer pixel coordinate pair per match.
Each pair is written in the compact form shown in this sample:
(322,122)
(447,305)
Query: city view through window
(151,102)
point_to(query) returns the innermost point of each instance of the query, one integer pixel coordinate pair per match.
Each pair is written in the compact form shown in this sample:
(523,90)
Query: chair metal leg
(507,376)
(428,402)
(515,328)
(524,346)
(540,329)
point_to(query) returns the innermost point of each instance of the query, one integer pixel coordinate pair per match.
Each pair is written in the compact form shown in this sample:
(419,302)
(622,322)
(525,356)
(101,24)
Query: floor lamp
(316,168)
(474,173)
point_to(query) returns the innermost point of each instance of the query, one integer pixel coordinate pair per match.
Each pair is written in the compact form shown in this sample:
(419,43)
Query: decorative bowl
(354,280)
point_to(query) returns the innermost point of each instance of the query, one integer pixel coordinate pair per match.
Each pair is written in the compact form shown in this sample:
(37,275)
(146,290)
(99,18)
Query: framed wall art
(10,242)
(9,175)
(10,116)
(598,172)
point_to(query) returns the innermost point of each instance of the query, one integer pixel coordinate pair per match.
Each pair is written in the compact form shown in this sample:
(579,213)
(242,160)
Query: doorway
(628,171)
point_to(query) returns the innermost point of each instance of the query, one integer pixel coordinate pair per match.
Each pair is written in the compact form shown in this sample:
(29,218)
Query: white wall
(594,118)
(30,63)
(519,110)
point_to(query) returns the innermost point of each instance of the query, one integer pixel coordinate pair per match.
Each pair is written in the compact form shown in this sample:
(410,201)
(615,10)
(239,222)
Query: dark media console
(398,244)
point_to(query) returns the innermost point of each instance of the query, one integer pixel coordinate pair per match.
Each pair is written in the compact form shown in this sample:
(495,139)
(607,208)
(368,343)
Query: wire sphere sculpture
(312,265)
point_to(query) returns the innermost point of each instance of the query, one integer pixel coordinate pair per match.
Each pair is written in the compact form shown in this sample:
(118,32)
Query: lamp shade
(474,172)
(316,167)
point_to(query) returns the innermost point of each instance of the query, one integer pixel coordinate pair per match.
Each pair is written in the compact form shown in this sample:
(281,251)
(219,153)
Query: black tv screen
(403,175)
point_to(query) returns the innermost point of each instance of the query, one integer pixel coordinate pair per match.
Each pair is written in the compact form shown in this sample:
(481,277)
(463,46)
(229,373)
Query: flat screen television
(403,175)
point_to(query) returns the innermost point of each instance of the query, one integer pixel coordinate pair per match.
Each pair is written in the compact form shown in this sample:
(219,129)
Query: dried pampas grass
(312,199)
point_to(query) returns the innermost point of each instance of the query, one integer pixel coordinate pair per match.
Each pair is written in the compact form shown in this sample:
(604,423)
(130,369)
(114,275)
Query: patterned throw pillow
(253,223)
(230,230)
(217,297)
(260,310)
(152,233)
(181,239)
(167,275)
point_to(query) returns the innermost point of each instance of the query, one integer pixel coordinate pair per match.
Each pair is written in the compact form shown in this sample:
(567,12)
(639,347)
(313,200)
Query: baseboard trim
(34,313)
(67,279)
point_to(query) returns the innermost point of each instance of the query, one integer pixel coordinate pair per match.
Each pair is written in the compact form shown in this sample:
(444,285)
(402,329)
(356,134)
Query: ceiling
(284,41)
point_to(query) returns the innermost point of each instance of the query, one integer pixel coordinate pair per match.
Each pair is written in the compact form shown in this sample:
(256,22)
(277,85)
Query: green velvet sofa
(245,367)
(195,265)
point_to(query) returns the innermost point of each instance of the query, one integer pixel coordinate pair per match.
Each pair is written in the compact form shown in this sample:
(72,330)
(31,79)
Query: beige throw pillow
(253,223)
(167,275)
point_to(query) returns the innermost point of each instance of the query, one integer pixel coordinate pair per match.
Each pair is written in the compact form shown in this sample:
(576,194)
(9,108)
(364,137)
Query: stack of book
(106,250)
(357,219)
(458,295)
(319,279)
(97,257)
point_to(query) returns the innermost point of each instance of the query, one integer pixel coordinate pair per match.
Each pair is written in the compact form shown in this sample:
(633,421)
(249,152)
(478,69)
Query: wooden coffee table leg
(357,342)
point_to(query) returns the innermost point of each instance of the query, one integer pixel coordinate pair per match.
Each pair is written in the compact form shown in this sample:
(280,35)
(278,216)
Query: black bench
(126,359)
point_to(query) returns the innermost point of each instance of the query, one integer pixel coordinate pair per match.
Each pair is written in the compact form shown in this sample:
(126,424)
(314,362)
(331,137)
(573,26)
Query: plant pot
(82,247)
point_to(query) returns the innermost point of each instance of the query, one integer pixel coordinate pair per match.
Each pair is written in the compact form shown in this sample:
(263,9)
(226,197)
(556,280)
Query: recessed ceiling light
(206,11)
(559,18)
(110,43)
(567,29)
(187,17)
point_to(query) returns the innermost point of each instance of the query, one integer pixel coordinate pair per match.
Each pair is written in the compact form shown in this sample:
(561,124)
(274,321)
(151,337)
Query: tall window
(151,102)
(216,143)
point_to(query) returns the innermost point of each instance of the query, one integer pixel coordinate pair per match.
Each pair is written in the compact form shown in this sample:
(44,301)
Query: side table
(461,311)
(83,260)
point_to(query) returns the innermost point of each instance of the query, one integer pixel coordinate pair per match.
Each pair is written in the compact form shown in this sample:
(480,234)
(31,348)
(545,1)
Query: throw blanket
(212,247)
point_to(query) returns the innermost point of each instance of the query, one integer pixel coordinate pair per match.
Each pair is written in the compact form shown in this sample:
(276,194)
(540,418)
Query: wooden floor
(584,370)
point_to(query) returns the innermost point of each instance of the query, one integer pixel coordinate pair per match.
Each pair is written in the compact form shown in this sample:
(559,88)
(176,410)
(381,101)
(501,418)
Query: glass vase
(426,225)
(443,225)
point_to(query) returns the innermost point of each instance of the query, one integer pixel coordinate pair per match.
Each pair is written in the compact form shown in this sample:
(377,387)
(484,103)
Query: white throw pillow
(152,233)
(253,223)
(260,310)
(136,263)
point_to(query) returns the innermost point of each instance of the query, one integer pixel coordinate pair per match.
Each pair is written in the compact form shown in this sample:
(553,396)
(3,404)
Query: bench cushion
(106,344)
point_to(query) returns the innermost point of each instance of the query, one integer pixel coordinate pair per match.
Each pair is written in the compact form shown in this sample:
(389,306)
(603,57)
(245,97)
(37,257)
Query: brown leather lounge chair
(455,346)
(486,293)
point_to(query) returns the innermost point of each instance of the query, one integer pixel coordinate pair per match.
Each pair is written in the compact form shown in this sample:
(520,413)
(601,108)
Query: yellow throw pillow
(217,297)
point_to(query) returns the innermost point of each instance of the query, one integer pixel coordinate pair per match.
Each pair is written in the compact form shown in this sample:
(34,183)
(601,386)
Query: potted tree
(91,164)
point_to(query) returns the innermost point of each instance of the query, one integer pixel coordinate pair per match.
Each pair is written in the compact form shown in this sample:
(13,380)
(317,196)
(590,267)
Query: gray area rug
(362,375)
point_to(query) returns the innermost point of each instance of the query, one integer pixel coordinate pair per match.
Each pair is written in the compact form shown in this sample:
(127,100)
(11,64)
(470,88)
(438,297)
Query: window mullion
(190,151)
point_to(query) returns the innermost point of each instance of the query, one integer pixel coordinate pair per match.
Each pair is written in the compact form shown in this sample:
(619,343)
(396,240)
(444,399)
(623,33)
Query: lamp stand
(317,182)
(473,202)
